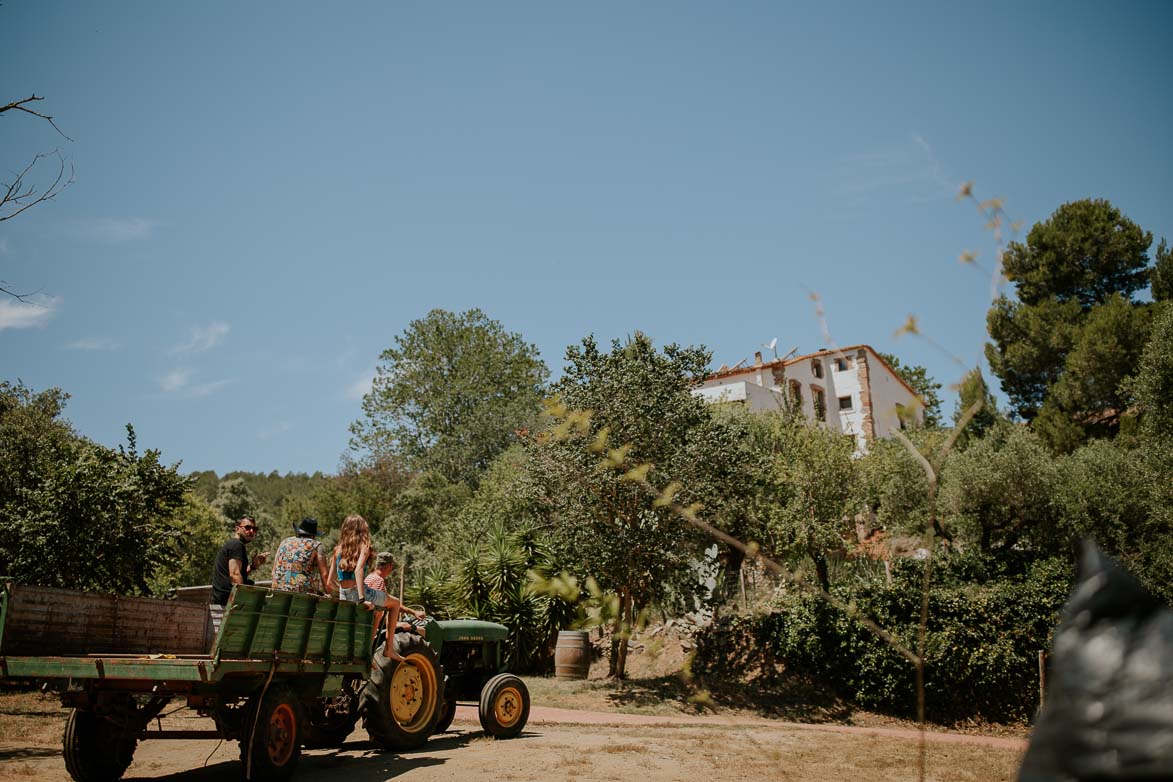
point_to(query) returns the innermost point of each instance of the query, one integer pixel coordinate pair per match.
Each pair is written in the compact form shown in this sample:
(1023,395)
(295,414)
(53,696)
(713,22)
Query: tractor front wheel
(504,707)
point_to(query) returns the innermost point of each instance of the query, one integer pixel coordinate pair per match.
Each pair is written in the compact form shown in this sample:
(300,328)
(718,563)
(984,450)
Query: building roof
(844,351)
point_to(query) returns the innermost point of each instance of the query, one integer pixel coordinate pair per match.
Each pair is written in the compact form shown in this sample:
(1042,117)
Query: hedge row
(987,623)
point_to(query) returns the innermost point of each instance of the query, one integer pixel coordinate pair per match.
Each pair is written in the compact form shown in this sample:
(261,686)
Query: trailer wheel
(96,749)
(504,707)
(270,751)
(332,720)
(447,714)
(401,701)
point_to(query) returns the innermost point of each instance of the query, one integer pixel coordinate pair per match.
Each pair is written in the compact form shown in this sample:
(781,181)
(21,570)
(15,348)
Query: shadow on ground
(28,753)
(786,700)
(359,760)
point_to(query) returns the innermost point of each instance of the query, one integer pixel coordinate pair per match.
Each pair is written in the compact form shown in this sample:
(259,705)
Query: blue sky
(266,194)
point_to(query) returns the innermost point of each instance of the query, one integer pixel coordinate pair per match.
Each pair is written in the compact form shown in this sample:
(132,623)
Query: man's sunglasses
(248,528)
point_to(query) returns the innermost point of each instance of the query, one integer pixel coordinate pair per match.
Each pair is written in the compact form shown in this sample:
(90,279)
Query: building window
(820,402)
(845,403)
(796,393)
(816,368)
(842,364)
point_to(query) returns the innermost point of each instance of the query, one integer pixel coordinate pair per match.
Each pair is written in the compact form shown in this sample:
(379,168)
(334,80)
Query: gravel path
(544,715)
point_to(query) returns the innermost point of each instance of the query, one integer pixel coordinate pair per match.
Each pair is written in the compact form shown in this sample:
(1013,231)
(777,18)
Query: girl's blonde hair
(355,534)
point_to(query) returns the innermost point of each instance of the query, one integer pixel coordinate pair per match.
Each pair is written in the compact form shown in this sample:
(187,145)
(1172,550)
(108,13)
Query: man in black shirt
(232,562)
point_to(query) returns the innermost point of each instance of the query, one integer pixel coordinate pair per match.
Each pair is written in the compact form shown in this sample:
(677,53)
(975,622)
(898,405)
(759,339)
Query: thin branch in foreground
(19,105)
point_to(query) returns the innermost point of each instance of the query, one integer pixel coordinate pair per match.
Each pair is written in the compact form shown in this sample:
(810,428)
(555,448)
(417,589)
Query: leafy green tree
(368,488)
(973,389)
(643,417)
(76,514)
(811,490)
(998,493)
(422,509)
(893,485)
(1161,276)
(507,499)
(926,388)
(199,532)
(450,393)
(1074,330)
(1152,395)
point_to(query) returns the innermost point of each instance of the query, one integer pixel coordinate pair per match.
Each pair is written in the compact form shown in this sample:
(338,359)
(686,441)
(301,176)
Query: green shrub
(987,622)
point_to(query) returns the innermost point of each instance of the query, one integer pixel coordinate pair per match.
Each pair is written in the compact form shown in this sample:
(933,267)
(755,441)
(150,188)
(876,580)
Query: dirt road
(563,744)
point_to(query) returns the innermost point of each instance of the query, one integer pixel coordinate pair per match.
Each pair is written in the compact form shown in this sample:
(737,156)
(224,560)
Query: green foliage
(893,485)
(809,487)
(507,499)
(973,389)
(76,514)
(644,420)
(199,532)
(1161,275)
(1152,393)
(450,394)
(997,494)
(496,581)
(923,384)
(424,508)
(1075,331)
(987,625)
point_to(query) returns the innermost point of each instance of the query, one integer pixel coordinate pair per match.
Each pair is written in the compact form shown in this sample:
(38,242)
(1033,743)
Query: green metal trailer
(284,670)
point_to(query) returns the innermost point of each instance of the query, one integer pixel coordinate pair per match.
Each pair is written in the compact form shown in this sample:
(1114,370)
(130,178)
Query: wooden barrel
(572,655)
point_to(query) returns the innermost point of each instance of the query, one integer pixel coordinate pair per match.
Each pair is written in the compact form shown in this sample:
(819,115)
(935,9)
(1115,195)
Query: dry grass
(31,719)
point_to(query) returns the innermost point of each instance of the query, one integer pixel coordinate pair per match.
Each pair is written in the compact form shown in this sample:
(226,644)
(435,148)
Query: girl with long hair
(351,556)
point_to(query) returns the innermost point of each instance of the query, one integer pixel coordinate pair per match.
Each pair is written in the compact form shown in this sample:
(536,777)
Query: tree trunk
(821,570)
(622,633)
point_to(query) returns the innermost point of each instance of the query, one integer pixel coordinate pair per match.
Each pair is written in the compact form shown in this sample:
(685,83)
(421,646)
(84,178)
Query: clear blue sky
(267,194)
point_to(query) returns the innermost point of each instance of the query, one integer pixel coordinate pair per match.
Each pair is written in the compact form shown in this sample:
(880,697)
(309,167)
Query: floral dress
(293,568)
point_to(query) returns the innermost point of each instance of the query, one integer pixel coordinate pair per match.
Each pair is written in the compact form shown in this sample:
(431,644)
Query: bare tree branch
(18,196)
(19,105)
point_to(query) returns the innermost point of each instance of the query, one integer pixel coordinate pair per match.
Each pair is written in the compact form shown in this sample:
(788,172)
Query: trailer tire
(275,744)
(401,701)
(94,748)
(504,707)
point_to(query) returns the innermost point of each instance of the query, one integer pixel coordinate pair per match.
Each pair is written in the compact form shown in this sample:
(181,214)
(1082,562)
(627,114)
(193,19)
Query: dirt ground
(556,745)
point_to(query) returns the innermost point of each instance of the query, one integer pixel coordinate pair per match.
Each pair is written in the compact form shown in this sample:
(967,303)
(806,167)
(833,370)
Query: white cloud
(175,380)
(93,343)
(907,169)
(33,312)
(116,230)
(207,389)
(270,433)
(203,338)
(362,386)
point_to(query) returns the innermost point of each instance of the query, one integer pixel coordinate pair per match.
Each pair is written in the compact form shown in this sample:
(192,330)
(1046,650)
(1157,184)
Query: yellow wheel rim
(507,707)
(413,693)
(282,728)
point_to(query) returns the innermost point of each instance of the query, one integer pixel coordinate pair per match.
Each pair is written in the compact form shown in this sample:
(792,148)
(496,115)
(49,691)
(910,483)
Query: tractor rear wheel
(504,707)
(447,714)
(401,701)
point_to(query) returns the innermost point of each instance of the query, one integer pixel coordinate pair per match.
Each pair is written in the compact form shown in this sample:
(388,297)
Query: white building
(851,389)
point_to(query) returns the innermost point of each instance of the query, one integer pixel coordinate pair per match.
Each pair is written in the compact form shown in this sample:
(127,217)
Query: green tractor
(445,662)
